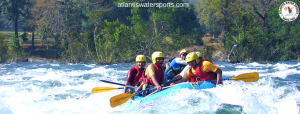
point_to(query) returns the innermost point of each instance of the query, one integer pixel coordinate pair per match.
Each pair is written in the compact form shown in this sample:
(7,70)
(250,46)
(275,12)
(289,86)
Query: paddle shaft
(116,83)
(155,87)
(213,80)
(216,80)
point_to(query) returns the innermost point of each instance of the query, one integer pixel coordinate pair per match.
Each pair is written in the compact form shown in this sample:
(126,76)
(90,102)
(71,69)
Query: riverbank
(31,59)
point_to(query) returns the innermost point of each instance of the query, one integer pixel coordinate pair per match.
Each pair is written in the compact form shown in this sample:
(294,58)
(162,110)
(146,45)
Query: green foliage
(246,37)
(113,43)
(16,11)
(76,51)
(3,49)
(206,52)
(100,32)
(14,46)
(73,17)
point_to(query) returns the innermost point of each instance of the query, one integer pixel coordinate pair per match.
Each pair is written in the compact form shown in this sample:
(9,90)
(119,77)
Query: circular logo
(288,11)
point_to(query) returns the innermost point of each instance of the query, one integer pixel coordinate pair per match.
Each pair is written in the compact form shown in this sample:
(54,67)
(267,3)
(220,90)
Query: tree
(143,40)
(284,35)
(113,34)
(96,18)
(30,24)
(48,16)
(16,10)
(260,8)
(207,16)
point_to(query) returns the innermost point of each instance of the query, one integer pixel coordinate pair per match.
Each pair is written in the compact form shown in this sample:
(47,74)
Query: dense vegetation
(103,33)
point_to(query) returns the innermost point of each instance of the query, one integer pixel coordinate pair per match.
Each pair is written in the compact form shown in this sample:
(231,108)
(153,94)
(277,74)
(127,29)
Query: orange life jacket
(203,76)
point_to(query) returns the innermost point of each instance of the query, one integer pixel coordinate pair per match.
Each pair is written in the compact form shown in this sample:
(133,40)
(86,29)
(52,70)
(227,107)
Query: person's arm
(180,81)
(150,71)
(210,67)
(182,73)
(185,78)
(125,88)
(219,76)
(180,61)
(185,70)
(130,77)
(140,87)
(158,87)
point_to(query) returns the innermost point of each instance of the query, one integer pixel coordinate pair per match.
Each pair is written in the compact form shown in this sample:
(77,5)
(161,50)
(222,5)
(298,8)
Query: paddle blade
(247,77)
(102,89)
(120,99)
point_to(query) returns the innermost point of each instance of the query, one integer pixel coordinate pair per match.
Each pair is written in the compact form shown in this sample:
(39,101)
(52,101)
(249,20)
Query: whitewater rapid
(56,88)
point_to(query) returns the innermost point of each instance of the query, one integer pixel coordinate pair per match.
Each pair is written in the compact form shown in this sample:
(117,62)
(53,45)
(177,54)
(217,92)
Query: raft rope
(196,78)
(157,91)
(195,83)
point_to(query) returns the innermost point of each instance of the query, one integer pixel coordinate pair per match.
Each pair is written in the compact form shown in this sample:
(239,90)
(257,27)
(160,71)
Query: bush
(14,46)
(3,49)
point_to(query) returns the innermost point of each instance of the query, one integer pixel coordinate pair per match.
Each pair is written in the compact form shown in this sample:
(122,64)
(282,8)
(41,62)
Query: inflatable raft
(171,91)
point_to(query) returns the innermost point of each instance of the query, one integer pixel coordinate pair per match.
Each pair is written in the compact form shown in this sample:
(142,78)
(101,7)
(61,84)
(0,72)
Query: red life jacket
(200,74)
(159,75)
(137,76)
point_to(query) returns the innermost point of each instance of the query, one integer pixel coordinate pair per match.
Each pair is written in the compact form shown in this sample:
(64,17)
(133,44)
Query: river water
(56,88)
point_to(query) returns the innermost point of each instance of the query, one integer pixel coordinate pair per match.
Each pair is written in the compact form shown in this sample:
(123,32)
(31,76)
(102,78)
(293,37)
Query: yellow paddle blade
(120,99)
(247,77)
(102,89)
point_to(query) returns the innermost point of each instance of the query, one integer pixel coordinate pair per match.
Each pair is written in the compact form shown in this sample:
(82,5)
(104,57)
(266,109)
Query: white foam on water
(221,66)
(242,71)
(239,66)
(36,95)
(284,73)
(258,64)
(55,64)
(4,109)
(185,101)
(231,92)
(100,70)
(39,100)
(49,76)
(90,65)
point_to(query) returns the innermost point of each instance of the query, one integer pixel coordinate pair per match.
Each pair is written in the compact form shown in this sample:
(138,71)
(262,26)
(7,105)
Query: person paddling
(135,73)
(176,65)
(201,70)
(187,67)
(153,74)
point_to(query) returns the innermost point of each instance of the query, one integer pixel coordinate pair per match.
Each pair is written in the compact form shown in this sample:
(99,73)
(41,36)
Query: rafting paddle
(116,83)
(124,97)
(104,89)
(246,77)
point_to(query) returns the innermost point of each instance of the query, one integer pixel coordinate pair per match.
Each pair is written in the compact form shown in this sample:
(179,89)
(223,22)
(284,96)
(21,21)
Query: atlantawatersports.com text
(159,5)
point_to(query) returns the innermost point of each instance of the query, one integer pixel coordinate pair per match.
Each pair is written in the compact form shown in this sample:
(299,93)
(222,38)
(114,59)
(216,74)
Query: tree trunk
(95,41)
(16,18)
(155,27)
(32,40)
(229,55)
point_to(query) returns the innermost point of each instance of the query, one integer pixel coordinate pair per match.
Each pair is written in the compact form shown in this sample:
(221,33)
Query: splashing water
(46,88)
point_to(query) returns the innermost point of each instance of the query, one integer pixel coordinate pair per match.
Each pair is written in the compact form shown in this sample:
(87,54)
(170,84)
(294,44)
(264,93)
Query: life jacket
(201,74)
(173,71)
(159,76)
(137,76)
